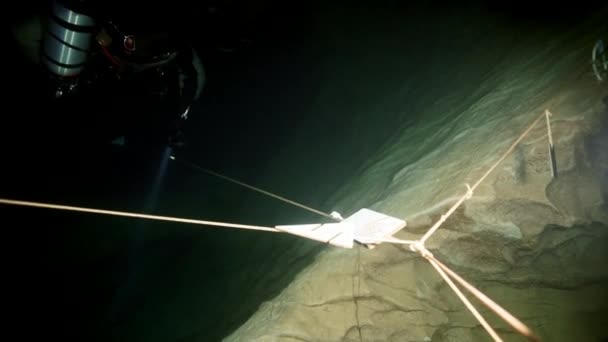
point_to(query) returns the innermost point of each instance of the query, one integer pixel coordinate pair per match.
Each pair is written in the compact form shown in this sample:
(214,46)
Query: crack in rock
(357,279)
(293,337)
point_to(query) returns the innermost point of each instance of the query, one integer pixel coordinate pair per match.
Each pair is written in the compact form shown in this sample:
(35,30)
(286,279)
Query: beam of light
(134,215)
(153,189)
(163,163)
(136,256)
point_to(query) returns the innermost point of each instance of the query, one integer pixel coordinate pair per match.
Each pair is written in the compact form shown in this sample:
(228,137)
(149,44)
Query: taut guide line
(366,227)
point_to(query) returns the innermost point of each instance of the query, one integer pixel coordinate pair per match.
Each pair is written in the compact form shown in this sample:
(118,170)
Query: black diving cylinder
(68,37)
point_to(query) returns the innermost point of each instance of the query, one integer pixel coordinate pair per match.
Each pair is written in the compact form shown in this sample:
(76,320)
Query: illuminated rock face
(541,257)
(534,244)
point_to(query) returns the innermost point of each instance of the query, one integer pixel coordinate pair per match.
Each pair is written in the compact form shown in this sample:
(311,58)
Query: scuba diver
(127,75)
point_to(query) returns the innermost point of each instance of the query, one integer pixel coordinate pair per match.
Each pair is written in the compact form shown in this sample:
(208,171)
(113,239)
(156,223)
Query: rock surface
(533,243)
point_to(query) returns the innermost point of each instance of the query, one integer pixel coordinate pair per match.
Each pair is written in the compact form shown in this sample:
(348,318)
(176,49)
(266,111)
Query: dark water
(103,278)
